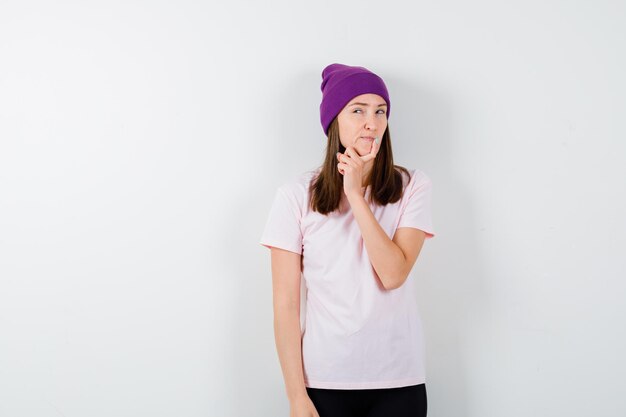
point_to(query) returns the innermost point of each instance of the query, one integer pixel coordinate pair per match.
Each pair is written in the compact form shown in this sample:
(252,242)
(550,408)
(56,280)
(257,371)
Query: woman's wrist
(355,196)
(299,395)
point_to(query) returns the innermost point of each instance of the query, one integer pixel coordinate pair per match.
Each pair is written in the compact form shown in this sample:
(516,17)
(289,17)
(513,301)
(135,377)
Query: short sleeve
(282,228)
(416,212)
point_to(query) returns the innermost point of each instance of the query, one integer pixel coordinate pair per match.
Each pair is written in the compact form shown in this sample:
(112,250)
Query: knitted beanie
(341,83)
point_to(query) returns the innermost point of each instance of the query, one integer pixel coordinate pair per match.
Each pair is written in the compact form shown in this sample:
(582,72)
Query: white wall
(141,145)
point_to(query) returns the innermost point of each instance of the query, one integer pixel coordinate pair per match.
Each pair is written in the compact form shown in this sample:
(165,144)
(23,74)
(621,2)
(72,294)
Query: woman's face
(361,120)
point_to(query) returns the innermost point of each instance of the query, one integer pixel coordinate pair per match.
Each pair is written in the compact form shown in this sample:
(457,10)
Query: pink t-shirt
(357,335)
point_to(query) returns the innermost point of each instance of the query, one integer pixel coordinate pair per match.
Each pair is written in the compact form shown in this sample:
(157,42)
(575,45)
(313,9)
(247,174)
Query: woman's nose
(370,123)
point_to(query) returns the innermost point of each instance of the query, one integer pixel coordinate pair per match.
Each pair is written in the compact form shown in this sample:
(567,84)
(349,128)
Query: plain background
(142,143)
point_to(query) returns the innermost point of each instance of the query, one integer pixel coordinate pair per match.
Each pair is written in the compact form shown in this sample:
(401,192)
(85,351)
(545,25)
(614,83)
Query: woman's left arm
(392,259)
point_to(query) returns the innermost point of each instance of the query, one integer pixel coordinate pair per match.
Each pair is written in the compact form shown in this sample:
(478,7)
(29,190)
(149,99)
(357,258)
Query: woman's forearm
(288,337)
(386,257)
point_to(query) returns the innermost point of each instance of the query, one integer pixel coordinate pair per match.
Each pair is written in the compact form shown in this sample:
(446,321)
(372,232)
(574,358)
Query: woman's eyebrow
(365,104)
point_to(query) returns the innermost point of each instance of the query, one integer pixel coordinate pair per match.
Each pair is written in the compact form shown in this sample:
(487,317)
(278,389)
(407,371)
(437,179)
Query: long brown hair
(385,178)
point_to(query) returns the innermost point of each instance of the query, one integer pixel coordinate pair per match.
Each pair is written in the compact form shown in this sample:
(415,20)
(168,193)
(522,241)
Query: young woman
(353,228)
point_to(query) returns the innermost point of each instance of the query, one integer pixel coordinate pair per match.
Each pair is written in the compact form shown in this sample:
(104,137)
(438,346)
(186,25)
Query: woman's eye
(382,111)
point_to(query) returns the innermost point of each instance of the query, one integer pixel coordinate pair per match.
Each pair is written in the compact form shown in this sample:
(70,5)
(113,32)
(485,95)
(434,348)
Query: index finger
(373,152)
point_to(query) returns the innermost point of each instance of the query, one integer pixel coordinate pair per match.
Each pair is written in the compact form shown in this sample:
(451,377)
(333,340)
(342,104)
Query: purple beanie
(341,83)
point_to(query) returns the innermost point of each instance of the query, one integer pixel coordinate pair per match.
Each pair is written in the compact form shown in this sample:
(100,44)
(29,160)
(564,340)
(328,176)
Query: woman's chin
(364,149)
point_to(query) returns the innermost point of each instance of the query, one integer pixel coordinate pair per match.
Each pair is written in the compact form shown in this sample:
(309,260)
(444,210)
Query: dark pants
(407,401)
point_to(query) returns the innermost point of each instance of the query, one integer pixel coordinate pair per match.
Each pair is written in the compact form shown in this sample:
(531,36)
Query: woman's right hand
(303,407)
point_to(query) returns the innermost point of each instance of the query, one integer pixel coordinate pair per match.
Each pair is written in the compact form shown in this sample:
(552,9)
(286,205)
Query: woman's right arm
(286,275)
